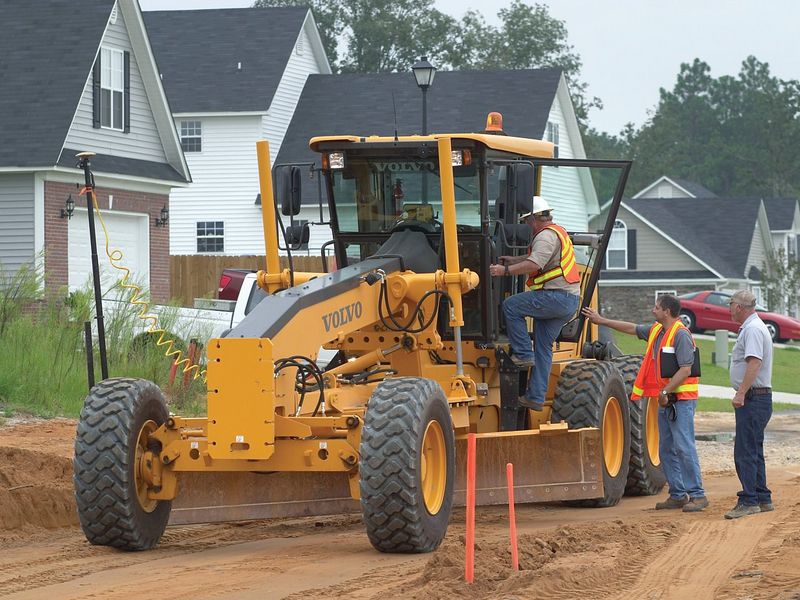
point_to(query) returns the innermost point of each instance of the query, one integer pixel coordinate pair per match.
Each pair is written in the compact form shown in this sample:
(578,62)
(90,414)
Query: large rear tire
(645,477)
(407,465)
(591,393)
(111,493)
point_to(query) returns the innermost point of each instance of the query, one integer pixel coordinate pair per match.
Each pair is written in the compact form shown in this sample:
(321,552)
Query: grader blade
(550,464)
(220,497)
(545,462)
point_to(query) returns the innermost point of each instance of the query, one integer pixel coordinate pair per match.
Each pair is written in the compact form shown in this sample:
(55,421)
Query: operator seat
(415,250)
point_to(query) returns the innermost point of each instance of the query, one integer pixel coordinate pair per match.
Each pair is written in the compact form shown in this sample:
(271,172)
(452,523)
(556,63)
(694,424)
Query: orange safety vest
(566,267)
(648,380)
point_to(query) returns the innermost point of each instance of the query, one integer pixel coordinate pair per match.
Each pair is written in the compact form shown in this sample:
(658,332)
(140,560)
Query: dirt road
(628,551)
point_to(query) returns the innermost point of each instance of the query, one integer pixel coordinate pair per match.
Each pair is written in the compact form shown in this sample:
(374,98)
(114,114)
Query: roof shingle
(46,55)
(198,53)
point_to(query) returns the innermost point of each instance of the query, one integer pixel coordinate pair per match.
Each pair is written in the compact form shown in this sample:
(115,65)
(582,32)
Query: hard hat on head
(540,205)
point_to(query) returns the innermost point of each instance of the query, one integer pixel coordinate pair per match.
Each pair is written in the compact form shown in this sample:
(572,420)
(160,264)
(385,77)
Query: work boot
(526,402)
(742,510)
(672,503)
(522,363)
(696,504)
(766,506)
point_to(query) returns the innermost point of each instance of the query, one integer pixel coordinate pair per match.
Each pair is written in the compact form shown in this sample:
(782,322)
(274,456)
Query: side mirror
(297,235)
(521,187)
(289,190)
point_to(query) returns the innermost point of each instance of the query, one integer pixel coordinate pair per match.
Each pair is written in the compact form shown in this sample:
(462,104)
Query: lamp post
(423,73)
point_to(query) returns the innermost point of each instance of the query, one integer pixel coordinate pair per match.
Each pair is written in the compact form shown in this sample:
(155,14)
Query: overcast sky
(630,48)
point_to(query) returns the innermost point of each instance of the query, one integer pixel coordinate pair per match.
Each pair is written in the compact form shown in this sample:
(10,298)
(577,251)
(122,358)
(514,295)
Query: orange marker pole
(512,517)
(172,370)
(469,573)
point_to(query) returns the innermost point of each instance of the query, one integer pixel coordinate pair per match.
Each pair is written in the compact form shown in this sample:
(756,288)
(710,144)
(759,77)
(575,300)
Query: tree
(377,36)
(738,136)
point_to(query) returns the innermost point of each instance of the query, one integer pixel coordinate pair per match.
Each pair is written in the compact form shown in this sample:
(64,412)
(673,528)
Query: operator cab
(384,198)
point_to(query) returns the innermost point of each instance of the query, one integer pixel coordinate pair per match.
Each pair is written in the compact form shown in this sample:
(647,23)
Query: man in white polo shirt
(751,377)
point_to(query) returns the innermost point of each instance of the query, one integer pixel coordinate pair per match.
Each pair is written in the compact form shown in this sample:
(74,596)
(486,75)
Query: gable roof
(458,102)
(685,188)
(695,189)
(721,239)
(44,67)
(780,212)
(199,51)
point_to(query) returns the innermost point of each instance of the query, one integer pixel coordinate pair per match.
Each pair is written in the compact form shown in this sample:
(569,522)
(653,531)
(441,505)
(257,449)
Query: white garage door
(127,232)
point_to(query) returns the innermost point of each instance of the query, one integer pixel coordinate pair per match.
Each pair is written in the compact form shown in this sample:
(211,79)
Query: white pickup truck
(210,318)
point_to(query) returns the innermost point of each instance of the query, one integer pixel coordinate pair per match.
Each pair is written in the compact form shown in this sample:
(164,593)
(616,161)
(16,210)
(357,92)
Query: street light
(423,73)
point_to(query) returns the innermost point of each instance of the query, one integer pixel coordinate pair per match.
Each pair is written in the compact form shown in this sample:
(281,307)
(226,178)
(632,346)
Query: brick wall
(55,233)
(636,303)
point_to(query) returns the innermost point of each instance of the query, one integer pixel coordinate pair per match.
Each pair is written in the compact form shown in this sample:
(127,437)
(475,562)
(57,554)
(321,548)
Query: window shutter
(96,94)
(631,249)
(127,95)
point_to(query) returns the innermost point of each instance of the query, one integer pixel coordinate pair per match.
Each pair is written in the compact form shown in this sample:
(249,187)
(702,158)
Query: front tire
(407,465)
(113,432)
(592,394)
(645,477)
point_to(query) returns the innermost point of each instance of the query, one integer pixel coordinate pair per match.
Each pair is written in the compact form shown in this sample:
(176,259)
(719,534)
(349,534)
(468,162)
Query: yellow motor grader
(422,359)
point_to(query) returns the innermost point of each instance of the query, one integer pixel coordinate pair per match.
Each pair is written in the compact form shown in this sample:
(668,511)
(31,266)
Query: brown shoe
(696,504)
(672,503)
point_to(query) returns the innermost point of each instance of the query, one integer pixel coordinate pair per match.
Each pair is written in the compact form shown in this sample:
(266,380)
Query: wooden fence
(197,276)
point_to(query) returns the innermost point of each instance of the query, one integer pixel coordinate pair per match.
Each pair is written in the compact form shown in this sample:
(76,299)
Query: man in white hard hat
(552,298)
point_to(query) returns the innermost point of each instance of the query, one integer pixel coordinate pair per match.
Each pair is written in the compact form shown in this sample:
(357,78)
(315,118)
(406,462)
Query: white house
(232,76)
(78,77)
(535,103)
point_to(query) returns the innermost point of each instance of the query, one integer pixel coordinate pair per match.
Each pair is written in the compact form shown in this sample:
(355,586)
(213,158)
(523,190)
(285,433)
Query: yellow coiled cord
(114,256)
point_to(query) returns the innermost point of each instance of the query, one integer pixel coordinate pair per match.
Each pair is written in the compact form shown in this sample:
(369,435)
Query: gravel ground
(781,445)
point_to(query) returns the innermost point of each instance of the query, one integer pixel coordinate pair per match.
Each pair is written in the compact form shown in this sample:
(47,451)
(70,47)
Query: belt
(757,391)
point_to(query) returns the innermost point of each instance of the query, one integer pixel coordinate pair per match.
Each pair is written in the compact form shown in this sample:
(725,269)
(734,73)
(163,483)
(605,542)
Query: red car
(709,310)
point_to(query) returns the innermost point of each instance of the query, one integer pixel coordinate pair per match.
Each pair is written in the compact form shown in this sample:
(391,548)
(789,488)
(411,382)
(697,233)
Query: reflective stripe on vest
(688,390)
(566,267)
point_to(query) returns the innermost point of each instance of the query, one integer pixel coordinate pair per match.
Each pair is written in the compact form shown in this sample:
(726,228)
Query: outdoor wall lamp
(164,218)
(69,208)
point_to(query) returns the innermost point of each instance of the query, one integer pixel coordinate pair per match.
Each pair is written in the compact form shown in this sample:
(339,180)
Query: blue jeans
(748,448)
(551,309)
(678,452)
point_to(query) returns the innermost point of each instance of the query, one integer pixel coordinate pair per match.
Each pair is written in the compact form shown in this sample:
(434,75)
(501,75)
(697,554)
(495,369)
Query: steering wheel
(414,225)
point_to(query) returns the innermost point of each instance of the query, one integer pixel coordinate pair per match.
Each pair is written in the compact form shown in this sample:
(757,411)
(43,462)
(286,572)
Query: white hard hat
(540,205)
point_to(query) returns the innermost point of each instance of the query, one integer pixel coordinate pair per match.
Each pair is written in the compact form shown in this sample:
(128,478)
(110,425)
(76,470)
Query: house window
(617,253)
(791,246)
(191,134)
(552,136)
(210,236)
(112,88)
(758,294)
(660,293)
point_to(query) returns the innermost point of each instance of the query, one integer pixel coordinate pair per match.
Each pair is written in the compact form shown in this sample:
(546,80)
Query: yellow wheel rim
(651,431)
(433,468)
(148,505)
(613,436)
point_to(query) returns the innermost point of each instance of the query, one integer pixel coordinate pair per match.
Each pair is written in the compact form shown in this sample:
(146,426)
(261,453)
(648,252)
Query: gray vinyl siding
(143,141)
(653,251)
(16,221)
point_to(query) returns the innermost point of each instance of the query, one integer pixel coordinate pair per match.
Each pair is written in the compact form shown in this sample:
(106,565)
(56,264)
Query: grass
(43,365)
(784,363)
(724,405)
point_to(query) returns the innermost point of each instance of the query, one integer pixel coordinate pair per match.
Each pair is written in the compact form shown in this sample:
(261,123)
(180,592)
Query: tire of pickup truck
(114,428)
